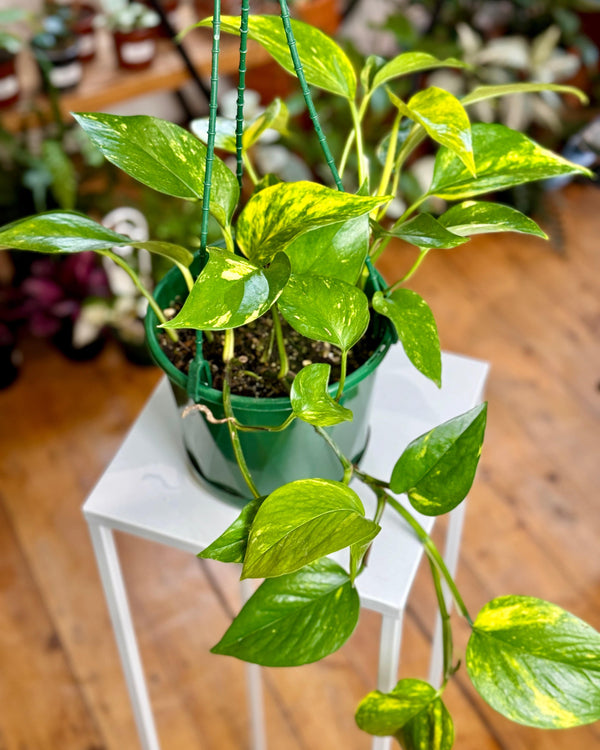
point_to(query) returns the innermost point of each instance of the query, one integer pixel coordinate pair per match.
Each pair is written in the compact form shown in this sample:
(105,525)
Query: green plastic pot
(273,458)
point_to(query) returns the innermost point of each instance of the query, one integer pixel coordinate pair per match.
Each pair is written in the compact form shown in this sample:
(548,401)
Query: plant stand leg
(451,553)
(389,660)
(255,692)
(107,559)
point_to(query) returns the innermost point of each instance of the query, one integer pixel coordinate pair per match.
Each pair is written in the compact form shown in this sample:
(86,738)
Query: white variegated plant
(300,250)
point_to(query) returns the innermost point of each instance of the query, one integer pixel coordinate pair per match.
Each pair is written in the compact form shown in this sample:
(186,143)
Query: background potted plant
(134,27)
(304,251)
(56,51)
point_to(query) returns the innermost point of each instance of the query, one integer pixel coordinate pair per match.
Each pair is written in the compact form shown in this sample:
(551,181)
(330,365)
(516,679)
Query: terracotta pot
(9,83)
(135,49)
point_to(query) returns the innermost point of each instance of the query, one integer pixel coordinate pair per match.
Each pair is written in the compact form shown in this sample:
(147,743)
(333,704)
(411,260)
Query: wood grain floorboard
(533,525)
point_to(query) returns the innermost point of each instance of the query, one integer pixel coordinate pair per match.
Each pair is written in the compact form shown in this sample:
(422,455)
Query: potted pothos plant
(293,264)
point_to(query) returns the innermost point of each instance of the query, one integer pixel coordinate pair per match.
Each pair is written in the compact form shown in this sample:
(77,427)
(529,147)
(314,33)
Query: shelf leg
(107,559)
(255,689)
(389,661)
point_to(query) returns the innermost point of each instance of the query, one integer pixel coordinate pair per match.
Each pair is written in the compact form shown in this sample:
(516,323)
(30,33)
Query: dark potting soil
(251,375)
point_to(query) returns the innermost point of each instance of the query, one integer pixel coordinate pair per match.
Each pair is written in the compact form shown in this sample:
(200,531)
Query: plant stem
(228,239)
(447,640)
(433,554)
(346,464)
(278,428)
(212,120)
(228,345)
(239,121)
(285,18)
(187,276)
(389,160)
(411,271)
(284,365)
(410,210)
(233,433)
(122,263)
(360,156)
(343,365)
(250,169)
(352,134)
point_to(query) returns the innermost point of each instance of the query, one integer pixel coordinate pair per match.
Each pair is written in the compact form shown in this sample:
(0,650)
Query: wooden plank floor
(533,525)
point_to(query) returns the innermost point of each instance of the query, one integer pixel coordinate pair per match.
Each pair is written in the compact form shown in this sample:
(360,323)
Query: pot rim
(251,403)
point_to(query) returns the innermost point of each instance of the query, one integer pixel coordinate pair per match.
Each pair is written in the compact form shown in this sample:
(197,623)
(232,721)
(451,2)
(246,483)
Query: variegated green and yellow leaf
(325,309)
(275,216)
(481,217)
(324,62)
(416,329)
(444,119)
(437,469)
(163,156)
(481,93)
(336,250)
(412,62)
(535,663)
(294,619)
(311,400)
(412,712)
(503,158)
(301,522)
(230,292)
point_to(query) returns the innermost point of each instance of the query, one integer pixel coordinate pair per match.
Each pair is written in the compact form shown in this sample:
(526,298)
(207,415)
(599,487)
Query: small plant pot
(58,60)
(135,49)
(273,458)
(10,89)
(83,26)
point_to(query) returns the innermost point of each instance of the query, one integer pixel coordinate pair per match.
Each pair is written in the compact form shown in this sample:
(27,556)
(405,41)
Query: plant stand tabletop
(149,490)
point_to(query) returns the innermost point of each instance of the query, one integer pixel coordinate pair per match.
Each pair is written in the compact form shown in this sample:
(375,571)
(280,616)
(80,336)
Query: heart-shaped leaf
(412,712)
(425,231)
(481,93)
(163,156)
(311,400)
(294,619)
(325,309)
(324,63)
(412,62)
(535,663)
(231,292)
(416,328)
(275,216)
(481,217)
(302,521)
(70,232)
(275,117)
(336,250)
(231,545)
(437,469)
(503,159)
(444,119)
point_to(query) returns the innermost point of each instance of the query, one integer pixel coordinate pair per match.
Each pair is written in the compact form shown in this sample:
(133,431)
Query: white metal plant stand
(148,490)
